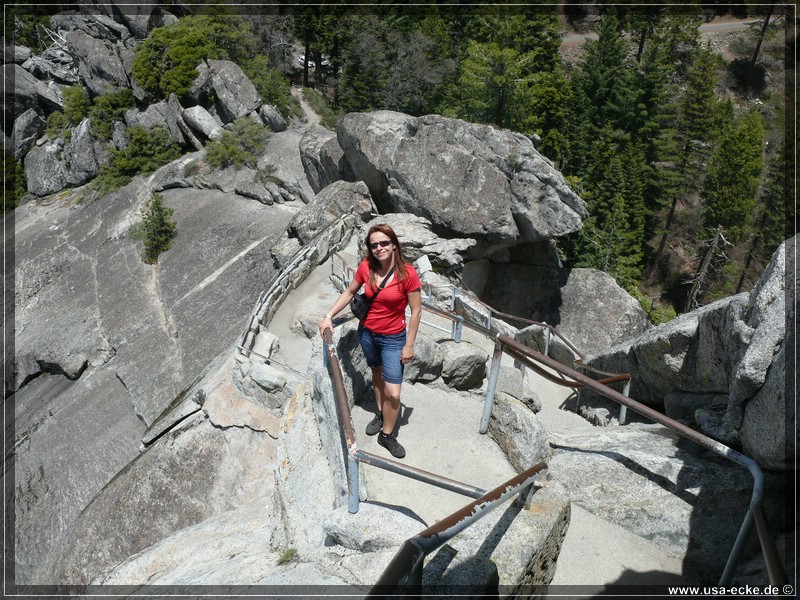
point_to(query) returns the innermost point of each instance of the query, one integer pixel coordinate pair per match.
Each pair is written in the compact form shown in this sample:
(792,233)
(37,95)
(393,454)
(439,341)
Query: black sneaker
(392,445)
(375,425)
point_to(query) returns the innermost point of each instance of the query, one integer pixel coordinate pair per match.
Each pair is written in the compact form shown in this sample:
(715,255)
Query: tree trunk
(305,63)
(701,274)
(761,37)
(663,241)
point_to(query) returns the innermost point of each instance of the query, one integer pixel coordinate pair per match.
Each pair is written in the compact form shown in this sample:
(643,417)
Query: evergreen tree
(699,122)
(772,222)
(734,174)
(158,228)
(611,239)
(602,93)
(510,75)
(166,62)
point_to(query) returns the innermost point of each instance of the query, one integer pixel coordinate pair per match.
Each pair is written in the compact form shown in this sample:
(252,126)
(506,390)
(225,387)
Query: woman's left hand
(407,354)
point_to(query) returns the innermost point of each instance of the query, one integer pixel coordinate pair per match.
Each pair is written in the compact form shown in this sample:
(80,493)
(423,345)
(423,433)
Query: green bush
(240,147)
(157,229)
(14,181)
(166,62)
(106,109)
(148,149)
(657,313)
(321,106)
(76,109)
(271,85)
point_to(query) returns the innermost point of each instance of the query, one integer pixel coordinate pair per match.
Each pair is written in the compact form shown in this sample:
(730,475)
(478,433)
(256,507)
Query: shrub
(166,62)
(270,84)
(287,556)
(657,313)
(240,147)
(147,150)
(76,108)
(321,106)
(14,181)
(157,229)
(106,109)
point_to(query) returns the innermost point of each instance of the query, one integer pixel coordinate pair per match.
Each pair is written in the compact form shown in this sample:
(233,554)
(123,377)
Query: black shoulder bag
(360,304)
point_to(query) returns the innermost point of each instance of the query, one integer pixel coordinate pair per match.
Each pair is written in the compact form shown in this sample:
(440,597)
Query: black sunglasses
(382,244)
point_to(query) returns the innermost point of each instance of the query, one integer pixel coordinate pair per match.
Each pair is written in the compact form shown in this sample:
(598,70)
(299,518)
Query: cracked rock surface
(105,344)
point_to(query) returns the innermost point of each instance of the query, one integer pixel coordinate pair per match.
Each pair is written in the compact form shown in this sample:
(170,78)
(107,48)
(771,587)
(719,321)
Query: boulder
(734,347)
(586,306)
(443,169)
(202,122)
(464,365)
(28,127)
(314,138)
(16,54)
(162,114)
(24,91)
(688,354)
(272,118)
(101,62)
(760,402)
(519,433)
(234,94)
(44,168)
(331,203)
(426,366)
(81,162)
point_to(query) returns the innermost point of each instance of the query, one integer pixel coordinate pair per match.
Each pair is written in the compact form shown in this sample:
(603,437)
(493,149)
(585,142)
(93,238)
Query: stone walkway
(439,429)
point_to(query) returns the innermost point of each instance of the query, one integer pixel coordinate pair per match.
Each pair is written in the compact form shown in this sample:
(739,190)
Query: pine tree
(698,125)
(611,239)
(734,174)
(158,228)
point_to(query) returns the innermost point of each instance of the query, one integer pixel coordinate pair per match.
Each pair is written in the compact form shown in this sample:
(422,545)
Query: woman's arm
(342,301)
(415,303)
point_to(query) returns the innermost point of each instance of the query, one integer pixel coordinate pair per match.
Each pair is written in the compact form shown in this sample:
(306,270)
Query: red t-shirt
(387,314)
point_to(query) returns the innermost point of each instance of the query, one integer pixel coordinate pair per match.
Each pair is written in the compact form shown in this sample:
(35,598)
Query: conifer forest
(682,145)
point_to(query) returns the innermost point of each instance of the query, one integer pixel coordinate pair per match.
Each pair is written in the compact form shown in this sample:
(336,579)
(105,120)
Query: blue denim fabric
(383,350)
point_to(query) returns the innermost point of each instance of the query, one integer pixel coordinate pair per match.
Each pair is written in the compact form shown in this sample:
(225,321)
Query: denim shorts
(383,350)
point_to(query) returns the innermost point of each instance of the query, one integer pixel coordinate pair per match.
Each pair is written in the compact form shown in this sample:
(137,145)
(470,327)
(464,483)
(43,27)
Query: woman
(383,336)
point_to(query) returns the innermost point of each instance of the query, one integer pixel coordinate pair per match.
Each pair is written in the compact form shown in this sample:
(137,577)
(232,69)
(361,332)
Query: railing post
(458,326)
(497,357)
(352,485)
(546,340)
(623,410)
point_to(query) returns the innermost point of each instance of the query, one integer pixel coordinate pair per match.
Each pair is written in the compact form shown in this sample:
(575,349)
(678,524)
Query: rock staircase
(439,429)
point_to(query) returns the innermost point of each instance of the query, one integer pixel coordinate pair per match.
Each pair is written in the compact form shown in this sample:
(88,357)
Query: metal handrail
(406,568)
(755,511)
(573,378)
(346,271)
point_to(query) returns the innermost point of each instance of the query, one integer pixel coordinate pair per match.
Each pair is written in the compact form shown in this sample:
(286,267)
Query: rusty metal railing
(406,568)
(755,513)
(571,377)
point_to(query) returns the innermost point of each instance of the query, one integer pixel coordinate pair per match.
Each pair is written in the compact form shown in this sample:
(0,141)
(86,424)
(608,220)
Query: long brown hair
(374,263)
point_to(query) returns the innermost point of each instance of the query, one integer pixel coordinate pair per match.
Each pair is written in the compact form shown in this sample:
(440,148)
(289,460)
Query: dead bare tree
(713,254)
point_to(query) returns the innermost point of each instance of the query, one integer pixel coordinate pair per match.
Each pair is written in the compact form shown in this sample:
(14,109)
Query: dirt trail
(311,117)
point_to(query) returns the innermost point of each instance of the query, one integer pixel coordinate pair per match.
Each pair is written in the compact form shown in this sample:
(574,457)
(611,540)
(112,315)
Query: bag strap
(385,279)
(383,283)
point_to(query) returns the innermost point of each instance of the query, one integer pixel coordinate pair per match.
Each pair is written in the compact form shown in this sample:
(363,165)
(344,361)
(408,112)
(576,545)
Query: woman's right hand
(326,323)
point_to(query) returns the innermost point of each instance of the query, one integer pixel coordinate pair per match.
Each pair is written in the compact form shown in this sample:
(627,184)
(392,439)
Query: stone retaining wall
(253,374)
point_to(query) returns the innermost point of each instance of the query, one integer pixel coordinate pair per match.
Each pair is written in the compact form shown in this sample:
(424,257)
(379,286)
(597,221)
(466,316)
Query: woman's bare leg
(377,387)
(391,406)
